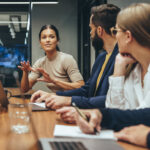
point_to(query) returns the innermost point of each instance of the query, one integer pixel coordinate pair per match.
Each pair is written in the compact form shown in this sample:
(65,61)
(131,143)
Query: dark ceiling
(6,11)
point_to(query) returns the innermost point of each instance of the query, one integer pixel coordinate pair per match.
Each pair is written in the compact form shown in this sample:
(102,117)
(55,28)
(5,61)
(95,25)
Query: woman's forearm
(25,82)
(68,85)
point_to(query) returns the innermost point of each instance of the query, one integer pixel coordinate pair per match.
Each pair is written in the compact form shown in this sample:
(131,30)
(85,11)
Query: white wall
(64,17)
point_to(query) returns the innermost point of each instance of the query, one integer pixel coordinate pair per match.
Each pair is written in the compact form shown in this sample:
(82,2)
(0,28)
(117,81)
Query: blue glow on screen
(11,57)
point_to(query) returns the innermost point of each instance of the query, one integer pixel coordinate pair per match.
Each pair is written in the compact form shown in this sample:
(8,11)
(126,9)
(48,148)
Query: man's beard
(97,43)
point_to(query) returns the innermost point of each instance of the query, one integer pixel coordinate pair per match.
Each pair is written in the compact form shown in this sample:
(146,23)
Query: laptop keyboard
(67,146)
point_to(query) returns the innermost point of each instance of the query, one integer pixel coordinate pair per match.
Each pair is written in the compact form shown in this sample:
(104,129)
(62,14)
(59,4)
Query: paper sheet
(74,131)
(39,104)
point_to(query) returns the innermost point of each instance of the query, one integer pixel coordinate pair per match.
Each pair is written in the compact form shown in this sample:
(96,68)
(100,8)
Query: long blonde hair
(136,19)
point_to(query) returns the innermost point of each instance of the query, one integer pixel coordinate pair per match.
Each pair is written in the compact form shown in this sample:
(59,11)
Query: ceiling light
(25,41)
(45,2)
(15,21)
(8,22)
(33,2)
(1,43)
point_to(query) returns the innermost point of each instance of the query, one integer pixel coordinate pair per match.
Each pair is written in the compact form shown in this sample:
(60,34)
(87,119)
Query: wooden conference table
(44,123)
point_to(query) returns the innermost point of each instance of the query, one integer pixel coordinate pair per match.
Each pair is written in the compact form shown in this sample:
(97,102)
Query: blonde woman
(133,35)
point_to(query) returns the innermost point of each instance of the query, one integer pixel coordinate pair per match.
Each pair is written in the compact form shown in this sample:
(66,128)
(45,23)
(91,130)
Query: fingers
(42,79)
(98,127)
(125,133)
(35,96)
(64,110)
(122,136)
(49,102)
(93,122)
(42,71)
(84,126)
(68,118)
(25,66)
(39,96)
(67,114)
(95,119)
(33,69)
(45,75)
(20,67)
(40,99)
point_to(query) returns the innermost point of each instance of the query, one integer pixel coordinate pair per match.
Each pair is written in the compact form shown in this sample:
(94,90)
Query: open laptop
(78,144)
(3,98)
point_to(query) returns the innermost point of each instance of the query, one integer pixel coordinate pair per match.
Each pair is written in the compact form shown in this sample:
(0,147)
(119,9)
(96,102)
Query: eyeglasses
(115,30)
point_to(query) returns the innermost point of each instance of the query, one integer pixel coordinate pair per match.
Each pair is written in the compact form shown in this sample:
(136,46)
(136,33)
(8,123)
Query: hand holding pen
(88,120)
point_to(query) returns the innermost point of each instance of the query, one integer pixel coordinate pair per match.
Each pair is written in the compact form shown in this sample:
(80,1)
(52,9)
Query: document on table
(39,104)
(74,131)
(39,107)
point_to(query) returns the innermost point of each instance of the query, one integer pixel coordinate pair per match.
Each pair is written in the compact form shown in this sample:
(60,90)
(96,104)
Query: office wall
(64,16)
(125,3)
(121,4)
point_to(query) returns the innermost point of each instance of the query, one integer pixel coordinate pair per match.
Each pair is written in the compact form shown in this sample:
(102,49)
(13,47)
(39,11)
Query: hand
(46,77)
(25,66)
(134,134)
(95,118)
(121,63)
(40,96)
(55,102)
(67,114)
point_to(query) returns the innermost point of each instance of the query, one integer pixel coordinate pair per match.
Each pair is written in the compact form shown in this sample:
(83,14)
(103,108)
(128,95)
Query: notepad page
(74,131)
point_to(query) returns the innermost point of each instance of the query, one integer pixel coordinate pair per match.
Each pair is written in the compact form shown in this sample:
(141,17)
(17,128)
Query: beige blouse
(63,67)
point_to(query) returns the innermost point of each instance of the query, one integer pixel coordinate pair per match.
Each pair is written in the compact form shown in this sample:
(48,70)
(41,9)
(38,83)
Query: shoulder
(99,60)
(41,60)
(66,57)
(100,57)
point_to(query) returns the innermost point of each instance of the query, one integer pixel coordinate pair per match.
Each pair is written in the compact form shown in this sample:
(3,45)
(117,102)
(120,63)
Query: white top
(63,67)
(129,93)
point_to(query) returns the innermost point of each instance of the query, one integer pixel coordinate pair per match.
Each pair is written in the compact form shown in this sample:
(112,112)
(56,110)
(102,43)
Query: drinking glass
(19,115)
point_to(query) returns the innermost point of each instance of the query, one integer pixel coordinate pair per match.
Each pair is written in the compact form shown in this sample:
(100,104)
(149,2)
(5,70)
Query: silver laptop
(78,144)
(3,98)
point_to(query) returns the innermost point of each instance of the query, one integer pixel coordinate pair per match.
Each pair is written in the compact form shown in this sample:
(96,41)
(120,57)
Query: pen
(80,112)
(83,116)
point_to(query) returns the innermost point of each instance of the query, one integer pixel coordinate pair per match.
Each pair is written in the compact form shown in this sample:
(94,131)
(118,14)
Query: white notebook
(74,131)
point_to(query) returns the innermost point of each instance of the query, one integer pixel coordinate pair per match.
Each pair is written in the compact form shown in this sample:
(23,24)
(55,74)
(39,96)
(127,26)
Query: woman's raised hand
(25,66)
(46,77)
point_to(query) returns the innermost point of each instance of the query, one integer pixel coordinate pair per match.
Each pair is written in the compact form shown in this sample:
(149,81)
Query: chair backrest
(3,98)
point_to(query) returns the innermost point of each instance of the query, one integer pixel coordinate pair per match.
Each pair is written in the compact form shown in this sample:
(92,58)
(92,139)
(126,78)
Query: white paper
(74,131)
(39,104)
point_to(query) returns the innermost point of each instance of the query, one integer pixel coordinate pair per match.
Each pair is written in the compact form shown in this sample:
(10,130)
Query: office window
(14,39)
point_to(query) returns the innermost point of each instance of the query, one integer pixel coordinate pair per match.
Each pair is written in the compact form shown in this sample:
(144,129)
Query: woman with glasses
(58,69)
(129,86)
